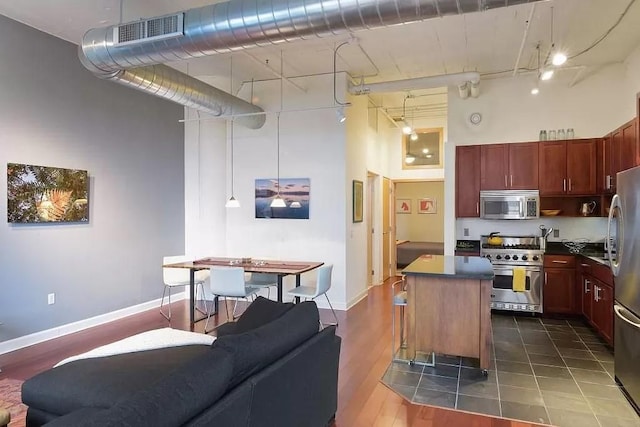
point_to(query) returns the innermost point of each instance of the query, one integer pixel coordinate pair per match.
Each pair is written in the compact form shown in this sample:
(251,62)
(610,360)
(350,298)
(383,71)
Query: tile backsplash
(593,229)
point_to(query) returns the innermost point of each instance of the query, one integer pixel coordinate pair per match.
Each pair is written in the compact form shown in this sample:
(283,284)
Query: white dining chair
(322,286)
(262,281)
(179,277)
(228,282)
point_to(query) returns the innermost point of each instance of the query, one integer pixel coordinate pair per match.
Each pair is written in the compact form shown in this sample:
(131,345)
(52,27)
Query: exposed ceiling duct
(444,80)
(241,24)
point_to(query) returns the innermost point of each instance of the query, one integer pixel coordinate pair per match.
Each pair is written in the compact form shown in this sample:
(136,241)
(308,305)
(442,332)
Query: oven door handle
(528,269)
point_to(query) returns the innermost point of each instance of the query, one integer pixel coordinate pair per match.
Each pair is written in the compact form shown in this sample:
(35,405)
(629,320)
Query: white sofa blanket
(150,340)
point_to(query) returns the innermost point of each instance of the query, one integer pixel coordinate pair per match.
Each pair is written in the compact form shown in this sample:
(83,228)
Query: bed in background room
(408,251)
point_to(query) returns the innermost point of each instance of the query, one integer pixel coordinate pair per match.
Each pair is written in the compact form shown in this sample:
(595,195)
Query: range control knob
(515,257)
(524,257)
(498,256)
(488,256)
(507,257)
(536,258)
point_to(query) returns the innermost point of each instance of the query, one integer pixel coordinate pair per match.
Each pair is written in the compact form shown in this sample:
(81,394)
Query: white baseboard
(70,328)
(358,298)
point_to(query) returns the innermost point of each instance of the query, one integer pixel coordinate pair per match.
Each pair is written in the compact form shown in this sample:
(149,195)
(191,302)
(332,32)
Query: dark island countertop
(451,267)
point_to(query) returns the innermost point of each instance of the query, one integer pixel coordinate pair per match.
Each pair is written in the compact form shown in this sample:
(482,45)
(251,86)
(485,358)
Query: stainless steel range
(515,252)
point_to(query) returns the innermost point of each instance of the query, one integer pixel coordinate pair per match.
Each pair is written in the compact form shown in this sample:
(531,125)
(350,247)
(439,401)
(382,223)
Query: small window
(424,150)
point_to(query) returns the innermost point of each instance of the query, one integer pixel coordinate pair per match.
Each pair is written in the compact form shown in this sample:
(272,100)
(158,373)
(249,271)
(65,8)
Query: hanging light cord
(231,157)
(335,56)
(606,34)
(278,119)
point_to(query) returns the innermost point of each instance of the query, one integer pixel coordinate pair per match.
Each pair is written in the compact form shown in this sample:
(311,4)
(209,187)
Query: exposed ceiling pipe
(240,24)
(417,83)
(524,40)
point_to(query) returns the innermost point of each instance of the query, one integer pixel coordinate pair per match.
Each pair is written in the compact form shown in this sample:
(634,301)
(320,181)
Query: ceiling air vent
(149,29)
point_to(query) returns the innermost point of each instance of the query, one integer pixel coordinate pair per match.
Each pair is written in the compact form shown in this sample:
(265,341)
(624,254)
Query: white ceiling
(487,42)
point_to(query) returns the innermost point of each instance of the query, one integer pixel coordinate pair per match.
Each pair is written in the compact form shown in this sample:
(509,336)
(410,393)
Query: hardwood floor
(366,351)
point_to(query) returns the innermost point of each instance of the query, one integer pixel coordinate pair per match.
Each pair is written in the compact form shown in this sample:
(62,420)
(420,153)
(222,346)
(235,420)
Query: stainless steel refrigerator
(624,228)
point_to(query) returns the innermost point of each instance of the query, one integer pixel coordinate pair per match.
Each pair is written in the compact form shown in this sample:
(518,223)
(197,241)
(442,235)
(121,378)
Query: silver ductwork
(241,24)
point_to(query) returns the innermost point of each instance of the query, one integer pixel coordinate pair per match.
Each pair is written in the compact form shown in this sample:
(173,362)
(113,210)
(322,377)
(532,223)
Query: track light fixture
(340,115)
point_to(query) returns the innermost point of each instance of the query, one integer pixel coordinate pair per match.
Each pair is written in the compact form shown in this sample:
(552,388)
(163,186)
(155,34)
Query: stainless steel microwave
(510,204)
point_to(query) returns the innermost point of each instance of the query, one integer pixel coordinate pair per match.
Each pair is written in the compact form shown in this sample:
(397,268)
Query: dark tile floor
(542,370)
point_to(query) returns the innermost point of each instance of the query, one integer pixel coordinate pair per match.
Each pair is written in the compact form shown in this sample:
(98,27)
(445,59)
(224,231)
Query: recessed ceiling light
(559,58)
(104,21)
(425,150)
(535,91)
(546,75)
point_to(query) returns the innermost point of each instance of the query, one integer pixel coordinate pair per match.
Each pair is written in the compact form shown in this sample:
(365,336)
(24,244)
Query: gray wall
(55,113)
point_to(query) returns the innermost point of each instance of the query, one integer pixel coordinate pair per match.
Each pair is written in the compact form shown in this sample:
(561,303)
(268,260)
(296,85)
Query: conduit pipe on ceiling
(443,80)
(241,24)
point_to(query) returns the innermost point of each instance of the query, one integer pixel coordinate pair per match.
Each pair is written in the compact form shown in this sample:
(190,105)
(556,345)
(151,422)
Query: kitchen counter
(449,307)
(451,267)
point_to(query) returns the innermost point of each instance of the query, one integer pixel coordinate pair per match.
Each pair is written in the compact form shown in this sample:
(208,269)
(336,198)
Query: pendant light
(232,202)
(278,202)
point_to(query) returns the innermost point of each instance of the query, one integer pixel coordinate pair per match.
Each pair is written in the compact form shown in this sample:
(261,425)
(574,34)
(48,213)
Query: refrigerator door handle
(615,262)
(624,314)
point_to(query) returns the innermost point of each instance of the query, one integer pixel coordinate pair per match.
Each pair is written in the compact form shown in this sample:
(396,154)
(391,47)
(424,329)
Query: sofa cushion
(100,382)
(260,312)
(259,347)
(171,401)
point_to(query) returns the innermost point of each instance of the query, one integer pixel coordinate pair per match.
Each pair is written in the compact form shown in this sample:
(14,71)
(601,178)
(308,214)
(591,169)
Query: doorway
(419,219)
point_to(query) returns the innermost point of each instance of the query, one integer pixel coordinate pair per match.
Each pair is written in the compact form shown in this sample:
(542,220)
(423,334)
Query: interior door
(387,200)
(371,214)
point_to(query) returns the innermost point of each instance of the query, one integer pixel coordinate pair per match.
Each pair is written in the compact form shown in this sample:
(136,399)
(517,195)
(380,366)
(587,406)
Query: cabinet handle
(607,182)
(585,265)
(478,208)
(511,178)
(558,262)
(586,286)
(569,185)
(564,185)
(596,295)
(545,277)
(505,181)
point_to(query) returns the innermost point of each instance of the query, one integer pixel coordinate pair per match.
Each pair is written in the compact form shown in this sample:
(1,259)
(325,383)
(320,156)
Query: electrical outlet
(556,233)
(466,232)
(51,299)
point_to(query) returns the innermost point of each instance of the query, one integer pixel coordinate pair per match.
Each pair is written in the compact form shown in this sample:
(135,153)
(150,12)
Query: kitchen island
(449,307)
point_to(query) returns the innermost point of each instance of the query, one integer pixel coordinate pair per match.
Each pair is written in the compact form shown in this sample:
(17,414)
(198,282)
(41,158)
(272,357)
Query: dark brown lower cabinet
(559,291)
(596,288)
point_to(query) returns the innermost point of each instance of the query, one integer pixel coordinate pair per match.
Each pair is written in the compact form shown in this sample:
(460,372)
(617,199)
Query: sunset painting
(294,192)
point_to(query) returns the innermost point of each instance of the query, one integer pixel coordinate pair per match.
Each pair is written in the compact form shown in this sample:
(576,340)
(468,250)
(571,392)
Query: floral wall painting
(403,206)
(294,192)
(357,201)
(41,194)
(427,206)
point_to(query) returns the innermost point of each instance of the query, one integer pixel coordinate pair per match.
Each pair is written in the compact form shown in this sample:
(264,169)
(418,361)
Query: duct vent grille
(150,29)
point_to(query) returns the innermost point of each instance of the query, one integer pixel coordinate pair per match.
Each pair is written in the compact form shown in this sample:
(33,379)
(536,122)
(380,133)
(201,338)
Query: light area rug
(10,399)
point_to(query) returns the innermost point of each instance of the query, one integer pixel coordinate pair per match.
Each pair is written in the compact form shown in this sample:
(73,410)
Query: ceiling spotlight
(558,59)
(535,91)
(546,75)
(475,89)
(295,205)
(409,159)
(463,90)
(425,150)
(414,136)
(340,115)
(406,129)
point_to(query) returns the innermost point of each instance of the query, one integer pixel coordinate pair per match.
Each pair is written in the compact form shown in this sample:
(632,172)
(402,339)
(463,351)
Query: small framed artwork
(403,206)
(357,201)
(427,206)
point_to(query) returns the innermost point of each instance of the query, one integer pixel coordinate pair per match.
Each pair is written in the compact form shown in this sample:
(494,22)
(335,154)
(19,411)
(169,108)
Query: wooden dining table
(278,268)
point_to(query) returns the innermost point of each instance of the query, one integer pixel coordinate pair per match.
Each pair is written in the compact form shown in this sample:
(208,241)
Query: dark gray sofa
(282,373)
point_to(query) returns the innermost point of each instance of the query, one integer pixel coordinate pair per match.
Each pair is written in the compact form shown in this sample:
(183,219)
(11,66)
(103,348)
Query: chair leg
(332,310)
(164,292)
(200,286)
(403,343)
